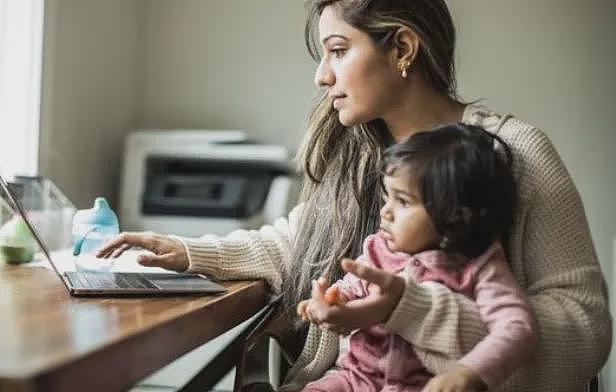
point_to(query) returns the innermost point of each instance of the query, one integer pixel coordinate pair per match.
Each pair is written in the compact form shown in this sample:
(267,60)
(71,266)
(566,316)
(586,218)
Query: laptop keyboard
(98,280)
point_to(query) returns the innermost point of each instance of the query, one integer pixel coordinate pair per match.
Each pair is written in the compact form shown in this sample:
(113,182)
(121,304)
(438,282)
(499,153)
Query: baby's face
(405,223)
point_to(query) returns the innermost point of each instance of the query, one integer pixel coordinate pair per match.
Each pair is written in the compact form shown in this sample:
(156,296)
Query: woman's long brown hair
(341,192)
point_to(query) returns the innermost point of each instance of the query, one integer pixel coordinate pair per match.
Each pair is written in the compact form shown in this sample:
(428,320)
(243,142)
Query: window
(21,33)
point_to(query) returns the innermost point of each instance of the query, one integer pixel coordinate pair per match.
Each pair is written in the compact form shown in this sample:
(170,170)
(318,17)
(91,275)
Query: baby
(449,200)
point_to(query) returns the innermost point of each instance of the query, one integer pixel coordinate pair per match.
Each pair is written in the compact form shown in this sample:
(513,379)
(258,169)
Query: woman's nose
(324,77)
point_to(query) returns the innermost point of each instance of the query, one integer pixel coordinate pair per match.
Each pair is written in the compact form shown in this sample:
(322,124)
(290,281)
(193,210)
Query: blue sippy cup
(93,228)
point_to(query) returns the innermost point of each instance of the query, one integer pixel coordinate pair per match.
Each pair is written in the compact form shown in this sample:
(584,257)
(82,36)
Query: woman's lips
(338,102)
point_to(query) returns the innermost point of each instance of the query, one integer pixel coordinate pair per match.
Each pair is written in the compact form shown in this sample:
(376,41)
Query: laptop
(86,283)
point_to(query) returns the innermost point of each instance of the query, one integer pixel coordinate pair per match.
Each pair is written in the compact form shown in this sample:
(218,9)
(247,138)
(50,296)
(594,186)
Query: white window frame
(21,53)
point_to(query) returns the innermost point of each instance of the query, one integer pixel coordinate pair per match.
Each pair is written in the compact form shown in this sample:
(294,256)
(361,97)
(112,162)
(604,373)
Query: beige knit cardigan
(551,254)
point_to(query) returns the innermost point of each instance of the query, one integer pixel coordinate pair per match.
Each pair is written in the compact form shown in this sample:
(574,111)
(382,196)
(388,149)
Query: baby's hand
(458,378)
(332,296)
(302,309)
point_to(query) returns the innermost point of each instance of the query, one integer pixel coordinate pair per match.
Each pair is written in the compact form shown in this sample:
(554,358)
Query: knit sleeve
(245,254)
(564,285)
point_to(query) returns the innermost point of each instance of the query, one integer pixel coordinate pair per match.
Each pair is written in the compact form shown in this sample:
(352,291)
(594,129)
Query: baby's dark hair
(463,176)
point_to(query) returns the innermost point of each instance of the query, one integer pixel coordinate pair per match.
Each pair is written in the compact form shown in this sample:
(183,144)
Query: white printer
(195,182)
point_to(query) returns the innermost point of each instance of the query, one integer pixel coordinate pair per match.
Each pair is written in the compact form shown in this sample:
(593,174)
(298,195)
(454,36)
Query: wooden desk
(50,341)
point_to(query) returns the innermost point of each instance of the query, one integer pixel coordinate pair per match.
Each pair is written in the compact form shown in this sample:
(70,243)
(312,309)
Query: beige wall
(90,87)
(226,64)
(113,65)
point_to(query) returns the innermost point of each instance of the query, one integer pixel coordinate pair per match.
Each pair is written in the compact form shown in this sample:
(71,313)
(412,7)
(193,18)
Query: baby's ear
(461,215)
(466,214)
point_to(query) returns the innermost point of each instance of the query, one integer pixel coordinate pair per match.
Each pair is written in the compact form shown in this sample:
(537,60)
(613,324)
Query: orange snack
(332,294)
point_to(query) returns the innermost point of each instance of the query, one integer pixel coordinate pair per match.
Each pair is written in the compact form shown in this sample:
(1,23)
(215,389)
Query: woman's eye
(338,52)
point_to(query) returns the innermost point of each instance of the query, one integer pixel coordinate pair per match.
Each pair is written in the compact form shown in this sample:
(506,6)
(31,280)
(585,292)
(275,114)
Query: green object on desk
(16,254)
(16,242)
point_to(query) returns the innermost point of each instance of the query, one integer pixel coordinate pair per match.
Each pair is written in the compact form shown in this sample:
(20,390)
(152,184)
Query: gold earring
(404,66)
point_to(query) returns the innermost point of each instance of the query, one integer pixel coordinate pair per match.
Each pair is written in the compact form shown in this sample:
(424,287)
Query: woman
(387,71)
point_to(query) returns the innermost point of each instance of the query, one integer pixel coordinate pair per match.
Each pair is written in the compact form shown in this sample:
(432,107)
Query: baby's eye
(403,202)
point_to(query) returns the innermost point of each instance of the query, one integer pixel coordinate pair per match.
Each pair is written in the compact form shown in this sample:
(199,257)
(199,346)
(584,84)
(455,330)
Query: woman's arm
(245,254)
(242,254)
(564,284)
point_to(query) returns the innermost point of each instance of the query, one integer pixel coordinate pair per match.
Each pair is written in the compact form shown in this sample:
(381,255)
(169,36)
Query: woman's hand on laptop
(166,252)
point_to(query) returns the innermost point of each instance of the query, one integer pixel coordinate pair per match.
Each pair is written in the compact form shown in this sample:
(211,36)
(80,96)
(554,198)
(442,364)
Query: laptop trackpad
(183,282)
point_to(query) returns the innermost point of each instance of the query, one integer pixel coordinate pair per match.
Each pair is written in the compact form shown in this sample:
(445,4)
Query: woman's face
(405,223)
(359,77)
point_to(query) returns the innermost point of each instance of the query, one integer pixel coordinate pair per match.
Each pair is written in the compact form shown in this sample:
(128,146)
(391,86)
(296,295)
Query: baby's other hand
(457,379)
(302,309)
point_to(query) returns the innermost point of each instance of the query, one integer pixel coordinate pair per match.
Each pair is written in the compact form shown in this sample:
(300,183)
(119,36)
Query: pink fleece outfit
(378,360)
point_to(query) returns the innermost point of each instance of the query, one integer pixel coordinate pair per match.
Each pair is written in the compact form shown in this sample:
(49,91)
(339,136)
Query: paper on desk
(65,261)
